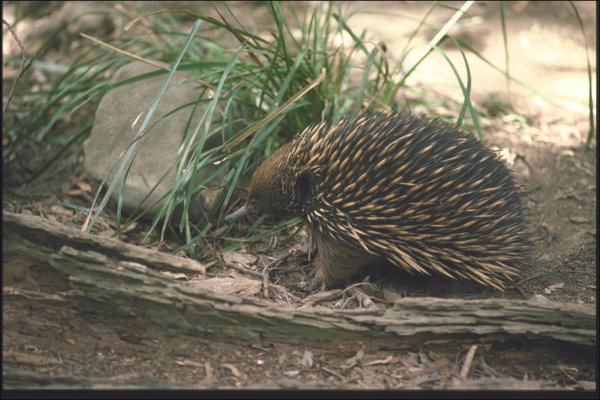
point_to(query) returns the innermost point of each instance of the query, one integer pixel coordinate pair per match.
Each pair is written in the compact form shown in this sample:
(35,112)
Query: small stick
(23,66)
(265,277)
(329,371)
(522,281)
(468,361)
(245,270)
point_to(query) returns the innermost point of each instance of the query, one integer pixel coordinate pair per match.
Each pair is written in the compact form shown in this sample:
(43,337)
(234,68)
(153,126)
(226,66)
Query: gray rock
(114,130)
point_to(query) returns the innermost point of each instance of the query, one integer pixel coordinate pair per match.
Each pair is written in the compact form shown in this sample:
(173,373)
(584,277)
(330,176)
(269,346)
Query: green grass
(268,88)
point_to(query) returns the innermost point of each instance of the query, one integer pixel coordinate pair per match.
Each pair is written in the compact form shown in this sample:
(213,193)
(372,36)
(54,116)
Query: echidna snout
(404,190)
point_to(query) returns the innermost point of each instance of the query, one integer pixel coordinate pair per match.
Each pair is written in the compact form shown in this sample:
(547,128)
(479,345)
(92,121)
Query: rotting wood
(52,235)
(128,279)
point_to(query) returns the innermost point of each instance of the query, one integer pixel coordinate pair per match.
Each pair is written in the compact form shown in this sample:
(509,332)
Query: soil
(89,348)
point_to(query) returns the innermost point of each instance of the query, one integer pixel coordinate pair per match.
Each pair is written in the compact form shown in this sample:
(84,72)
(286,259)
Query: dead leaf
(579,219)
(61,210)
(83,185)
(540,298)
(352,361)
(239,257)
(559,195)
(130,227)
(307,359)
(281,359)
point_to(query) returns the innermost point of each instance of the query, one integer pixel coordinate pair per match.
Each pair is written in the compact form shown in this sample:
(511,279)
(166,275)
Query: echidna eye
(252,201)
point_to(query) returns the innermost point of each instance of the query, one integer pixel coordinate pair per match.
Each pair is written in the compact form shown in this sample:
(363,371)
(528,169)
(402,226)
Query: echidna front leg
(335,264)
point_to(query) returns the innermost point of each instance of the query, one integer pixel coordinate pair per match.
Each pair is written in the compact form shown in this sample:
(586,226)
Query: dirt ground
(547,153)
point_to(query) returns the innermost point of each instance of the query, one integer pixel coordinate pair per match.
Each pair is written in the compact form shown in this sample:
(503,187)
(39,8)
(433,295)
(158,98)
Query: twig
(265,273)
(22,68)
(489,370)
(355,285)
(468,361)
(217,232)
(567,373)
(425,371)
(209,376)
(522,281)
(329,371)
(579,272)
(385,361)
(245,270)
(265,278)
(320,296)
(521,292)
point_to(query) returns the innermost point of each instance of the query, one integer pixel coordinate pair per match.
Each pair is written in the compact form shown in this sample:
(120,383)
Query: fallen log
(130,280)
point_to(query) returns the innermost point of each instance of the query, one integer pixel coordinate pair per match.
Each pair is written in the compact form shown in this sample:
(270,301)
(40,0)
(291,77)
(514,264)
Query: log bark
(130,280)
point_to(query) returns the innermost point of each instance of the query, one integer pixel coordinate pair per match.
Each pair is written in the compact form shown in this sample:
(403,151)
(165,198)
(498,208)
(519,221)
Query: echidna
(397,189)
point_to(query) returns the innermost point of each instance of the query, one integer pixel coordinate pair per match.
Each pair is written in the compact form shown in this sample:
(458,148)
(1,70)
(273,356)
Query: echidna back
(423,195)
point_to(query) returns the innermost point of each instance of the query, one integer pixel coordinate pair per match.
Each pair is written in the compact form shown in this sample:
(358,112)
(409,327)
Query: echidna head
(271,190)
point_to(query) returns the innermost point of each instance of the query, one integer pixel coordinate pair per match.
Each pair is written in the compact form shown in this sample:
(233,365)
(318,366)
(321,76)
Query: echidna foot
(314,283)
